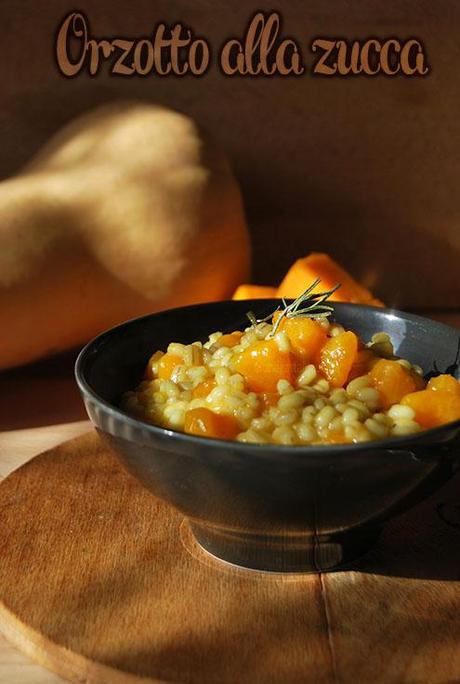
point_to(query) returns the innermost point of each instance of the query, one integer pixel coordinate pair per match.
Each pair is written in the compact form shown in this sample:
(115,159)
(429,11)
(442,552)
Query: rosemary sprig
(308,304)
(254,321)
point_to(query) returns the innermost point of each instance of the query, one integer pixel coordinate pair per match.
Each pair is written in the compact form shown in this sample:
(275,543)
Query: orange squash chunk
(206,423)
(306,335)
(393,381)
(433,408)
(167,364)
(445,383)
(365,359)
(230,340)
(319,265)
(202,390)
(149,374)
(336,437)
(337,357)
(255,292)
(268,399)
(262,364)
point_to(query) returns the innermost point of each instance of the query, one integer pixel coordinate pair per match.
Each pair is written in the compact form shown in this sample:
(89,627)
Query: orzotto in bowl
(279,508)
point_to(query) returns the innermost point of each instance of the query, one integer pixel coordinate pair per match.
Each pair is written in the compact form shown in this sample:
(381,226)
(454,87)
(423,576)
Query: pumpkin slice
(268,399)
(319,265)
(167,364)
(204,388)
(262,364)
(336,437)
(230,339)
(433,408)
(393,381)
(365,360)
(206,423)
(444,382)
(337,357)
(306,335)
(255,292)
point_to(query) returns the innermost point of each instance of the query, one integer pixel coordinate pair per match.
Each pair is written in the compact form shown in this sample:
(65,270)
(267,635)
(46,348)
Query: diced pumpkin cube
(262,364)
(444,382)
(306,335)
(433,408)
(206,423)
(319,265)
(336,437)
(337,357)
(202,390)
(268,399)
(393,381)
(229,340)
(167,364)
(365,360)
(152,363)
(255,292)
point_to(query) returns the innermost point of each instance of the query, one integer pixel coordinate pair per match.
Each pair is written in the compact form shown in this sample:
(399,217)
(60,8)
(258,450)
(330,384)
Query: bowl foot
(290,552)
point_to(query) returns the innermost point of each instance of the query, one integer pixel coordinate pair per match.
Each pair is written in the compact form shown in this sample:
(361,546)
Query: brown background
(365,168)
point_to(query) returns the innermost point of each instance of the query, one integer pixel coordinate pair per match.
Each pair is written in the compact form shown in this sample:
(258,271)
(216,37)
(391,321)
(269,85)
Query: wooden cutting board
(101,582)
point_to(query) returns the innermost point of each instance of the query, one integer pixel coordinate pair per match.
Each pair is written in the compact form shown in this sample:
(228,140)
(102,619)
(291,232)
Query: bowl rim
(259,448)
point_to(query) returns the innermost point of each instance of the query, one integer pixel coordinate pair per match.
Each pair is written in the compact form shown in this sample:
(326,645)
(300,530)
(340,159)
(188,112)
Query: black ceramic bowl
(280,508)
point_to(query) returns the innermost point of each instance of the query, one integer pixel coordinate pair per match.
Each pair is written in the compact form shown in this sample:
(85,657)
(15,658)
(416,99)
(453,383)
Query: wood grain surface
(97,584)
(43,398)
(18,447)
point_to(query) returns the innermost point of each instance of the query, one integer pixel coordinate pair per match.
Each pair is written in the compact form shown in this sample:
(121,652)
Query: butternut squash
(117,216)
(303,272)
(433,408)
(393,381)
(337,357)
(255,292)
(318,265)
(262,364)
(206,423)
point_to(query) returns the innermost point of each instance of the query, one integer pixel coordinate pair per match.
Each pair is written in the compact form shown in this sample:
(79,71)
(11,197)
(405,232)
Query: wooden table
(39,408)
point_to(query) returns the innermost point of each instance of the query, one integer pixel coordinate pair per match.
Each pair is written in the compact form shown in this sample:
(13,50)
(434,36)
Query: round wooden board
(100,582)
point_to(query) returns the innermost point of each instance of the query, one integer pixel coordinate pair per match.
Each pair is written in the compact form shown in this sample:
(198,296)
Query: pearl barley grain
(307,376)
(399,411)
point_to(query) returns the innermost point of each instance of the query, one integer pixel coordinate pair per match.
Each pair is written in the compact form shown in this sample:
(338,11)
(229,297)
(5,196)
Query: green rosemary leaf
(252,318)
(308,304)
